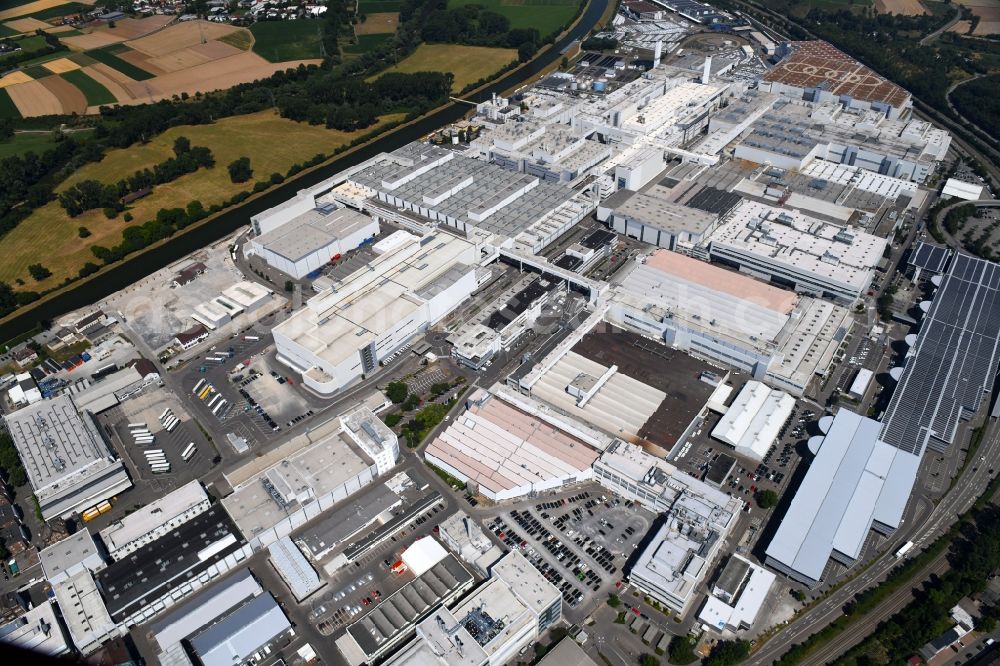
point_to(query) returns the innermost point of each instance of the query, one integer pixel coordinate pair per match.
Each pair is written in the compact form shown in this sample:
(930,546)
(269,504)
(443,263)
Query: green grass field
(278,41)
(7,107)
(111,60)
(272,143)
(467,63)
(546,16)
(377,6)
(366,43)
(95,93)
(28,46)
(21,143)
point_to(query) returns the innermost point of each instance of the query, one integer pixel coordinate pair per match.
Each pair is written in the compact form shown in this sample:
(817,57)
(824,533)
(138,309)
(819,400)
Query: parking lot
(579,543)
(360,586)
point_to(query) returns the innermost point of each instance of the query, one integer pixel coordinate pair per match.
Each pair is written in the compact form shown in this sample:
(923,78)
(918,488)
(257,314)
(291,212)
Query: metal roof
(954,361)
(293,568)
(234,638)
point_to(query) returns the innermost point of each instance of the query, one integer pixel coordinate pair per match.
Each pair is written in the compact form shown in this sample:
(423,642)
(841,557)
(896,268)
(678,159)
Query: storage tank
(599,86)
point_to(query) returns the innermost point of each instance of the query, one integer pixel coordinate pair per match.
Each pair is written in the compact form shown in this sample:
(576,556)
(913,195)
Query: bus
(218,407)
(90,514)
(103,507)
(147,439)
(170,427)
(205,391)
(140,433)
(904,549)
(189,452)
(137,425)
(164,414)
(153,452)
(197,387)
(251,338)
(161,469)
(215,399)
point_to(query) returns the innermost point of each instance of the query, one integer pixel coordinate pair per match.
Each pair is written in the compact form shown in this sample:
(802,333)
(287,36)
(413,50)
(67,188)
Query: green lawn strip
(95,93)
(280,41)
(37,72)
(111,60)
(7,32)
(7,107)
(366,43)
(379,6)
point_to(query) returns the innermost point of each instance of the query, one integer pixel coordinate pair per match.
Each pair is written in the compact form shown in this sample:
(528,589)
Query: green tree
(240,170)
(397,391)
(728,653)
(648,660)
(614,600)
(766,499)
(681,650)
(83,232)
(182,145)
(39,272)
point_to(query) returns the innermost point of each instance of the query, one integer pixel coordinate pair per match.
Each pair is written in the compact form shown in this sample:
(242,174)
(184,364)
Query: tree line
(90,194)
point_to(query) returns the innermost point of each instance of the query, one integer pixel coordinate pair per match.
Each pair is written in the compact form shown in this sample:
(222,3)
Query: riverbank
(121,274)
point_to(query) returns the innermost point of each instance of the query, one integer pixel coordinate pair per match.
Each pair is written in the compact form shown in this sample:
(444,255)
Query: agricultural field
(137,61)
(900,7)
(800,9)
(546,16)
(41,9)
(467,63)
(988,12)
(272,143)
(279,41)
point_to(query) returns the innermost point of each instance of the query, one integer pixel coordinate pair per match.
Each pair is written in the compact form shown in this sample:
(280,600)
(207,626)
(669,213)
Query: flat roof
(929,257)
(854,480)
(369,302)
(158,512)
(954,362)
(58,446)
(83,609)
(336,527)
(153,570)
(68,553)
(651,208)
(567,652)
(501,447)
(817,64)
(313,471)
(312,231)
(845,255)
(754,419)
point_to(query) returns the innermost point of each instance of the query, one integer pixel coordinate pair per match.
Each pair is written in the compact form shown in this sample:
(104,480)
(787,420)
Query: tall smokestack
(657,53)
(706,75)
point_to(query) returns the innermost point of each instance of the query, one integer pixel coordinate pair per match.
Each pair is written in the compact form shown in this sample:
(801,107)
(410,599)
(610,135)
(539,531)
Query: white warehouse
(754,420)
(342,333)
(309,240)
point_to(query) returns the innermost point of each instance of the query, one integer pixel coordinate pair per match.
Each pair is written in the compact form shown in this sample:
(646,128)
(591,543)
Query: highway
(963,494)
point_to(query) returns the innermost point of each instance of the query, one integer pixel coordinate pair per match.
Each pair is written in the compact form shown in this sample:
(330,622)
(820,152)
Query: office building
(69,464)
(159,517)
(343,333)
(697,520)
(508,612)
(754,420)
(771,333)
(790,248)
(38,630)
(464,537)
(373,437)
(84,612)
(737,597)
